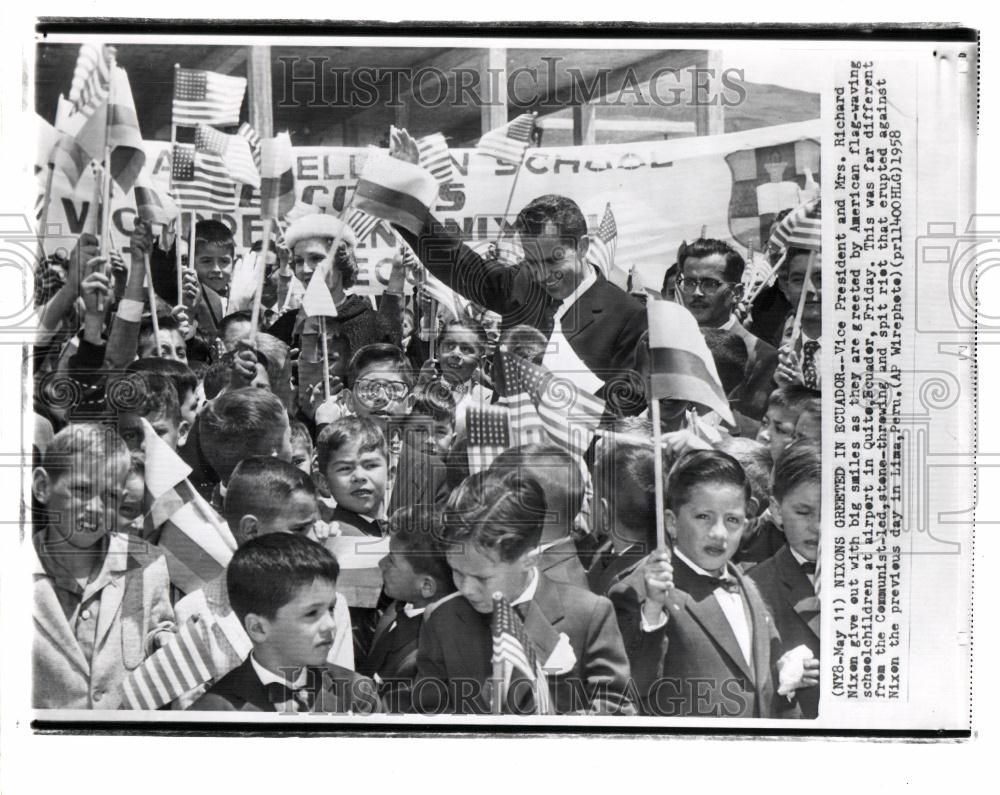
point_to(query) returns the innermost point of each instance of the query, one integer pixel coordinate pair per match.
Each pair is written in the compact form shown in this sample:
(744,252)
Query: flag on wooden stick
(397,191)
(202,97)
(115,124)
(152,205)
(513,654)
(435,157)
(488,429)
(604,242)
(91,78)
(509,143)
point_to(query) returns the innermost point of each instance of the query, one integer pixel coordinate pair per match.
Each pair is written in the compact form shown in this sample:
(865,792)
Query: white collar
(548,546)
(268,677)
(798,558)
(585,284)
(699,570)
(529,592)
(412,612)
(729,324)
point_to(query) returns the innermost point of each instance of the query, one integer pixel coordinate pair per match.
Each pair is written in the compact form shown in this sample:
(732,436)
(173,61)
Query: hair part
(239,424)
(262,486)
(801,462)
(345,431)
(701,468)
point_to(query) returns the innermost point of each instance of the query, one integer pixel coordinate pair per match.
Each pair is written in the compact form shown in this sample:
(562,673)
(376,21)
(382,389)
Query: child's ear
(256,627)
(41,485)
(670,520)
(605,511)
(775,512)
(753,508)
(322,485)
(182,432)
(248,528)
(428,587)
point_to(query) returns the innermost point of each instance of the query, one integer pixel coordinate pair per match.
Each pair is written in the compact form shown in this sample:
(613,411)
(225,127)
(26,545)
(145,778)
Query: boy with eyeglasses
(710,286)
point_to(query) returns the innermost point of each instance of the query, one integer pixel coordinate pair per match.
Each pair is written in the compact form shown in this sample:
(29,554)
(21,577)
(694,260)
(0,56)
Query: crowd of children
(299,479)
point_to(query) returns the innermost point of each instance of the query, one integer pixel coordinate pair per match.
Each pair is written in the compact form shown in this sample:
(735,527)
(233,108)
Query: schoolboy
(265,495)
(777,426)
(169,344)
(283,590)
(353,463)
(699,637)
(493,526)
(787,581)
(182,377)
(214,257)
(150,396)
(302,447)
(415,575)
(101,599)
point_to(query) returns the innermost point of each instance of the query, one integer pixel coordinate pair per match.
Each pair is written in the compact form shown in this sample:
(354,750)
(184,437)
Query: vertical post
(709,118)
(493,74)
(180,213)
(106,186)
(152,303)
(584,124)
(259,89)
(661,533)
(324,348)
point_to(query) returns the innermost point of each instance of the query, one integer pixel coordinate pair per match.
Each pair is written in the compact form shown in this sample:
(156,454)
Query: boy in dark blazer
(492,528)
(283,589)
(787,581)
(698,635)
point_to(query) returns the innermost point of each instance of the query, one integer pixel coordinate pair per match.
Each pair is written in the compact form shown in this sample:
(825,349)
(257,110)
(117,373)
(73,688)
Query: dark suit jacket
(560,563)
(603,326)
(393,656)
(339,690)
(609,568)
(421,479)
(793,603)
(750,397)
(453,658)
(693,666)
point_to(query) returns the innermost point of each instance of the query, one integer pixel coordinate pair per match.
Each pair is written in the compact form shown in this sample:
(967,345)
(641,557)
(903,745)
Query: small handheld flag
(435,157)
(202,97)
(512,653)
(397,191)
(509,143)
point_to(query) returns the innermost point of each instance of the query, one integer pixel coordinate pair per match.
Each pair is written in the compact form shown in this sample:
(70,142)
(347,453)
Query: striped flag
(152,205)
(233,150)
(526,426)
(115,124)
(801,228)
(200,179)
(510,142)
(68,156)
(397,191)
(184,663)
(91,78)
(202,97)
(681,366)
(436,288)
(512,651)
(569,415)
(488,429)
(253,139)
(277,183)
(193,537)
(603,244)
(362,224)
(435,157)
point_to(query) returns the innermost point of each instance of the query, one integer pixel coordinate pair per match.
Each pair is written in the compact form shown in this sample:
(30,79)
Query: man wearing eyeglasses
(710,286)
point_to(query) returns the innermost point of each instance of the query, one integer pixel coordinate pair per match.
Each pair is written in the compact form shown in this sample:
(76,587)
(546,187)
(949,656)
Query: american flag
(362,224)
(513,652)
(488,429)
(91,78)
(569,415)
(234,150)
(253,139)
(510,142)
(435,157)
(801,228)
(193,537)
(200,179)
(604,243)
(202,97)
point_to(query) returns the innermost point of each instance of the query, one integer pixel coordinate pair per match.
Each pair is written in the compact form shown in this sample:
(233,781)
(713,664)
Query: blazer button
(85,615)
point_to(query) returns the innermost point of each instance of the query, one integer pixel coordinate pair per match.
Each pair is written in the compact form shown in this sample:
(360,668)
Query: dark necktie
(549,317)
(810,375)
(808,568)
(727,583)
(297,700)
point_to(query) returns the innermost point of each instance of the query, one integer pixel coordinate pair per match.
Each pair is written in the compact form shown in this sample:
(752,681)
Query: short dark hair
(145,393)
(180,374)
(216,376)
(497,512)
(701,468)
(521,338)
(467,324)
(300,433)
(243,316)
(262,485)
(212,232)
(239,424)
(435,400)
(672,271)
(164,323)
(199,354)
(624,475)
(266,572)
(755,458)
(537,462)
(708,247)
(552,208)
(730,355)
(367,355)
(792,397)
(418,532)
(348,430)
(800,462)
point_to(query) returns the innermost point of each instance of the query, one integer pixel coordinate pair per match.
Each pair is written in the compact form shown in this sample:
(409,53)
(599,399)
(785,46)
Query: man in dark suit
(492,529)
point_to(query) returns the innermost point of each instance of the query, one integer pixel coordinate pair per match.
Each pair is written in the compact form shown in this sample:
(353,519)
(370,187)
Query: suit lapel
(798,591)
(760,640)
(545,610)
(246,685)
(380,642)
(584,313)
(51,619)
(707,612)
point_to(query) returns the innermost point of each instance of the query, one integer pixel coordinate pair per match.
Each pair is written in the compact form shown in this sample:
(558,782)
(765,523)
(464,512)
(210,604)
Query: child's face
(302,630)
(171,346)
(130,505)
(357,479)
(380,391)
(794,282)
(302,455)
(478,574)
(399,580)
(82,503)
(799,513)
(189,407)
(434,436)
(298,515)
(777,429)
(407,324)
(213,262)
(808,427)
(236,331)
(459,355)
(707,528)
(131,431)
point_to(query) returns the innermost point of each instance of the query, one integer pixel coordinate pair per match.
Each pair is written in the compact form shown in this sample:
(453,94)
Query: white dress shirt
(560,358)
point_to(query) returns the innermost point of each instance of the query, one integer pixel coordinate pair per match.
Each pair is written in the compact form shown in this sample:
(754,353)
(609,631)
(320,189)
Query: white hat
(318,225)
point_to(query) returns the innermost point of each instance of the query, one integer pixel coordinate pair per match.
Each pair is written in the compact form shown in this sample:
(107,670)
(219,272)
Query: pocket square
(562,659)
